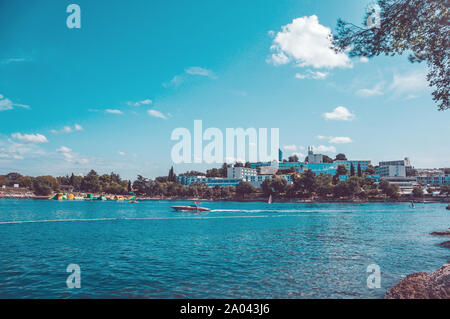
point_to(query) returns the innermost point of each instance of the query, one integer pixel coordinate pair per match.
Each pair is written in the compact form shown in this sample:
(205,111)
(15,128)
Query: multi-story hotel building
(438,180)
(364,164)
(391,171)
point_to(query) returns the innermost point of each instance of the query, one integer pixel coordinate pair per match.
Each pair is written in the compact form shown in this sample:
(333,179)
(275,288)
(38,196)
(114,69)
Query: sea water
(238,250)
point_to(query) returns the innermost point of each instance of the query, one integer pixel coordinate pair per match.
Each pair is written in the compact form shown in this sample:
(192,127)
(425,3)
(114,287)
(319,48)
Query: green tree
(370,170)
(416,26)
(353,186)
(293,158)
(171,177)
(390,190)
(173,189)
(324,185)
(226,192)
(417,191)
(224,170)
(327,159)
(341,170)
(91,182)
(50,181)
(41,189)
(340,190)
(352,170)
(25,181)
(192,173)
(306,184)
(290,191)
(115,178)
(275,185)
(359,170)
(340,157)
(214,172)
(444,190)
(105,182)
(244,188)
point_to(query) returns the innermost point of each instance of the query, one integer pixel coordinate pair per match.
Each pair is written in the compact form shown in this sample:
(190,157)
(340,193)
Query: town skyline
(72,100)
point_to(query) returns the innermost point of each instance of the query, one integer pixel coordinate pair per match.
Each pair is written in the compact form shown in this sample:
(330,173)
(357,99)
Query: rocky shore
(422,285)
(445,244)
(441,233)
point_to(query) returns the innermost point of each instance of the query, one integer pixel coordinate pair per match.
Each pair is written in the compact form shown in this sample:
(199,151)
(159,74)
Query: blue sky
(107,96)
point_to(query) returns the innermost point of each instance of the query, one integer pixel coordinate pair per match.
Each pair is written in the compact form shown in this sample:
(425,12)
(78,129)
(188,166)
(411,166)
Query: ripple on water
(239,250)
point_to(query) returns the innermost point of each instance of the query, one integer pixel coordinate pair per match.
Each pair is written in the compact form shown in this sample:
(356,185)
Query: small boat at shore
(190,208)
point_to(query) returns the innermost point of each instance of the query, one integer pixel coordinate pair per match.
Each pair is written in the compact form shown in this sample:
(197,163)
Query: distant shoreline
(297,201)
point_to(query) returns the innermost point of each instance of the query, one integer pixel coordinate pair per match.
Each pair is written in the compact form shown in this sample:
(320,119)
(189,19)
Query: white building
(406,163)
(240,172)
(314,158)
(256,181)
(391,171)
(268,170)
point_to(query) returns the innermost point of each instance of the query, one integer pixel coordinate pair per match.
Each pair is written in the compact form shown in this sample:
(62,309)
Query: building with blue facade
(375,178)
(364,164)
(438,180)
(209,181)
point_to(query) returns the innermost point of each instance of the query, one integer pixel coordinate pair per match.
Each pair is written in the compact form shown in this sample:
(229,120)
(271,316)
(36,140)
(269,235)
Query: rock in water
(422,285)
(441,233)
(445,244)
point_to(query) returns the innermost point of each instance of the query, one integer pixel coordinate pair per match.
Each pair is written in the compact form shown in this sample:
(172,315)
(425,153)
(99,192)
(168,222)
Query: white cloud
(70,156)
(340,140)
(121,153)
(376,90)
(405,85)
(363,59)
(68,129)
(312,75)
(6,104)
(12,150)
(299,155)
(196,70)
(324,149)
(177,80)
(64,149)
(336,139)
(340,113)
(307,43)
(290,148)
(110,111)
(156,113)
(30,138)
(139,103)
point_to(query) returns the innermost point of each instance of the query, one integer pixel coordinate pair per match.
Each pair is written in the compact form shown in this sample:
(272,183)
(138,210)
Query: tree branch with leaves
(417,27)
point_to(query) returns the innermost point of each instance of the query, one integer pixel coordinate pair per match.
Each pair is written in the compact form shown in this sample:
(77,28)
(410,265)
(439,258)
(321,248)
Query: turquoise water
(239,250)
